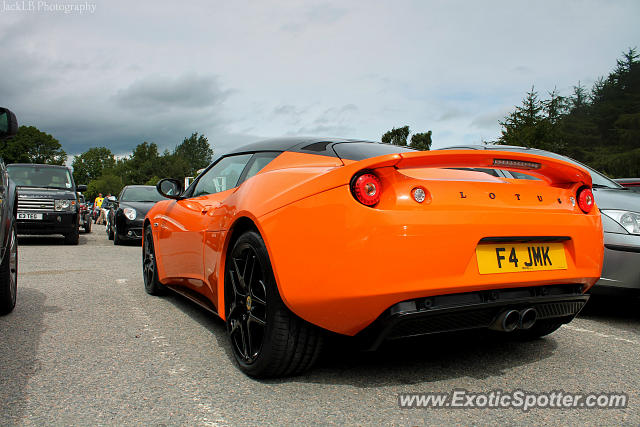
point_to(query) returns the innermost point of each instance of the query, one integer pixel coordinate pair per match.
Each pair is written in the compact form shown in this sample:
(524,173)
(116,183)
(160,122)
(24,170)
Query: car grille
(28,204)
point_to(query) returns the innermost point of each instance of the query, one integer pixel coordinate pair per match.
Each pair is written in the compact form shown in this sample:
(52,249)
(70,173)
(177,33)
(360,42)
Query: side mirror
(81,188)
(8,123)
(170,188)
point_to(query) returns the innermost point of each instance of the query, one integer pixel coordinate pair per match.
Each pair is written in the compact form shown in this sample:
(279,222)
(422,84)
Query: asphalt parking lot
(87,346)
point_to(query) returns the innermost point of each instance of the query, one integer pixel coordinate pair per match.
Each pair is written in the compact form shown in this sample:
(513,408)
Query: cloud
(188,91)
(321,14)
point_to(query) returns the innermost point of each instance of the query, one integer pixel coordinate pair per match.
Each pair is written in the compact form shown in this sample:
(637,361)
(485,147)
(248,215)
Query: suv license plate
(23,215)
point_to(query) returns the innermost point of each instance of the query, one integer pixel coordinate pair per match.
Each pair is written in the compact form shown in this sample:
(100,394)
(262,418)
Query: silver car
(620,210)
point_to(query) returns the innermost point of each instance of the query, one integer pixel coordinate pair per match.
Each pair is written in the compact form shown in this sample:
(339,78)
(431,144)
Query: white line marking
(600,334)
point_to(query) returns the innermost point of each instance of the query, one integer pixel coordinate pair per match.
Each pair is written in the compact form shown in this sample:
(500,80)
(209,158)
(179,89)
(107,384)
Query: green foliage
(31,145)
(108,183)
(146,165)
(89,165)
(196,151)
(396,136)
(419,141)
(152,181)
(600,128)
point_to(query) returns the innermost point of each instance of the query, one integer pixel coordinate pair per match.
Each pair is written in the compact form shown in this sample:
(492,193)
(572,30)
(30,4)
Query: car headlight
(129,213)
(629,220)
(63,205)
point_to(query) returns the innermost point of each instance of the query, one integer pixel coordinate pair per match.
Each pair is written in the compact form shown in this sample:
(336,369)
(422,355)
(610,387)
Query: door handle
(205,210)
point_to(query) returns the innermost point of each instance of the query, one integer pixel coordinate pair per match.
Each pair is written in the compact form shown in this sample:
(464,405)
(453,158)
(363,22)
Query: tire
(267,339)
(73,237)
(149,268)
(539,329)
(110,233)
(116,237)
(87,226)
(9,274)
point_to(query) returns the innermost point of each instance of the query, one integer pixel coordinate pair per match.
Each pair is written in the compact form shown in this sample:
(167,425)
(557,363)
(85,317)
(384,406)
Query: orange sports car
(286,239)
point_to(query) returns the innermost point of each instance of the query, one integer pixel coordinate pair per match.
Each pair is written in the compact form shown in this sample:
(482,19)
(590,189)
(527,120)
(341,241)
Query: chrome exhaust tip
(528,318)
(507,321)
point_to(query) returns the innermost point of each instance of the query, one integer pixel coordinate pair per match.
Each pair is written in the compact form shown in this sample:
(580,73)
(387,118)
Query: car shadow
(20,334)
(620,312)
(409,361)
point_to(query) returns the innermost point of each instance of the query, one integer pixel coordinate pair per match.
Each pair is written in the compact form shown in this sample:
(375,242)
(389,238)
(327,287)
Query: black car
(47,200)
(8,234)
(127,214)
(85,214)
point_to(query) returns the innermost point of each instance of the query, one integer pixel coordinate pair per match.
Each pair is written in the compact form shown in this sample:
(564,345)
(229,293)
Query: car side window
(258,162)
(222,176)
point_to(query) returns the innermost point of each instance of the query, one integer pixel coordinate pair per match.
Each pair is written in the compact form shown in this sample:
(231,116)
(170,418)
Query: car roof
(38,165)
(300,144)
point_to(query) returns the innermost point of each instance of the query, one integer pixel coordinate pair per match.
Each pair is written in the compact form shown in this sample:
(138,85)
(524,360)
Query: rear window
(366,150)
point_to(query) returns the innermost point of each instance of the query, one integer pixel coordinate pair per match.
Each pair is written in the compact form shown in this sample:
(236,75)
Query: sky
(118,73)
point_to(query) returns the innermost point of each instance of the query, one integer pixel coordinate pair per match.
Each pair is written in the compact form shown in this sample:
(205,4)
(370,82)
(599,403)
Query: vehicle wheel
(110,233)
(116,237)
(9,274)
(267,339)
(73,237)
(539,329)
(87,226)
(149,268)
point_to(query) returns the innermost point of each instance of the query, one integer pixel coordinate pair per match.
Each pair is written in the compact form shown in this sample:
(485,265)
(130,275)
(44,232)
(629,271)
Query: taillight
(585,199)
(366,189)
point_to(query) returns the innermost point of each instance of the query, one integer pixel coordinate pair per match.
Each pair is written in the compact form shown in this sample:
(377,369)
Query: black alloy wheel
(267,339)
(247,315)
(149,268)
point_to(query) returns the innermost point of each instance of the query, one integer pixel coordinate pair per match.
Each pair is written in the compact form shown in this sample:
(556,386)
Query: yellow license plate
(517,257)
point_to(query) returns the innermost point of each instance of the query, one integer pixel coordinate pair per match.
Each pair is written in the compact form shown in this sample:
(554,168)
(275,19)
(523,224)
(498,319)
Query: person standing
(97,203)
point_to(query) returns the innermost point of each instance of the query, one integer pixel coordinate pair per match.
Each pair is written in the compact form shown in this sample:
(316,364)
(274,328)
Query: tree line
(107,174)
(101,170)
(599,127)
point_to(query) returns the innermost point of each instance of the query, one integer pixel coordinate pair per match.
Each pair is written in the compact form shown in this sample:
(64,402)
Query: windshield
(40,176)
(140,194)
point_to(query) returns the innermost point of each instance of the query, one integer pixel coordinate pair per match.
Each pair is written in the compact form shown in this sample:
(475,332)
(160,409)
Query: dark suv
(47,200)
(8,237)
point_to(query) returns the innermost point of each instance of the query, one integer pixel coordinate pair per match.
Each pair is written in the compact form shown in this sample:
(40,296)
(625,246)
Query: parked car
(84,212)
(288,238)
(127,213)
(8,234)
(621,221)
(47,200)
(632,184)
(103,217)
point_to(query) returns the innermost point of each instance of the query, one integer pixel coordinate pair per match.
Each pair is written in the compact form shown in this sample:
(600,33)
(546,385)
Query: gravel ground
(87,346)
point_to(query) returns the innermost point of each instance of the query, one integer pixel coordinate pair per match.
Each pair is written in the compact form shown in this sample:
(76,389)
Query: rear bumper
(471,310)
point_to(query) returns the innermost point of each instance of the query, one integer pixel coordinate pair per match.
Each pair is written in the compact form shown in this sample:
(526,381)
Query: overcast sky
(238,71)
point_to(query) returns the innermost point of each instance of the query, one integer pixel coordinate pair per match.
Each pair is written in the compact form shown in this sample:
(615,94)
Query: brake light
(366,189)
(585,199)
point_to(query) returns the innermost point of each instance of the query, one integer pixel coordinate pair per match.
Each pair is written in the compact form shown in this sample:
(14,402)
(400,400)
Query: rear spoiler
(553,171)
